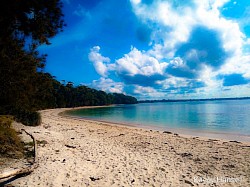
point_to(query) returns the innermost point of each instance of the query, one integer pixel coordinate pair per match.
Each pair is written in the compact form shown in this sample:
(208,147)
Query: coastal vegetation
(11,145)
(24,86)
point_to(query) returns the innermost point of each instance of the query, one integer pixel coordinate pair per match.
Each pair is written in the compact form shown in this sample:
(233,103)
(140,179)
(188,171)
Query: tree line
(53,94)
(24,88)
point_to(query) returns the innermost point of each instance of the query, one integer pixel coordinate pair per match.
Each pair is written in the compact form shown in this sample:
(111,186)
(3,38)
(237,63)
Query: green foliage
(124,99)
(18,71)
(30,118)
(10,143)
(37,20)
(53,94)
(6,120)
(24,25)
(24,89)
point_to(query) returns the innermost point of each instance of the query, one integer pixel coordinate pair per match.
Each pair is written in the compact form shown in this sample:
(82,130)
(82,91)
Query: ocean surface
(221,116)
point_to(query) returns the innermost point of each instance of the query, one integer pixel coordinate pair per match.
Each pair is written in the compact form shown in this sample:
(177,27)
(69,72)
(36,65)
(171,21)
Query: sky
(155,49)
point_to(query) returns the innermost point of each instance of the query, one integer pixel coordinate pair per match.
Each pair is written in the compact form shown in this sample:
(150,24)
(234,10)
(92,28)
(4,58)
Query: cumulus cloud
(197,40)
(141,89)
(177,20)
(173,27)
(203,47)
(139,62)
(193,49)
(108,85)
(181,84)
(145,92)
(138,67)
(178,68)
(239,64)
(185,90)
(99,61)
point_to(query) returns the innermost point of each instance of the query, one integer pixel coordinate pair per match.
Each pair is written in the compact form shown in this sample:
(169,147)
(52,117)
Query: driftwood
(23,170)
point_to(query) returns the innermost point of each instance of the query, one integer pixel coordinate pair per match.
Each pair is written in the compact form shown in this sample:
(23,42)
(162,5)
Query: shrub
(5,121)
(10,142)
(30,118)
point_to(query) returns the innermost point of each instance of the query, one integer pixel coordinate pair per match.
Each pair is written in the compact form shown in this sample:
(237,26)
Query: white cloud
(108,85)
(147,92)
(209,78)
(179,22)
(229,30)
(177,62)
(247,41)
(166,16)
(237,64)
(173,27)
(173,82)
(139,63)
(136,1)
(136,67)
(175,24)
(99,61)
(144,90)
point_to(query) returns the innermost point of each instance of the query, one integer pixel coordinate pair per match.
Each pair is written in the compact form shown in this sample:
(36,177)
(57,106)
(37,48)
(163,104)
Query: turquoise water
(227,116)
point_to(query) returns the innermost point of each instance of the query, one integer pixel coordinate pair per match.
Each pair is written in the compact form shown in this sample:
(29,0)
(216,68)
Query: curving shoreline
(80,152)
(181,131)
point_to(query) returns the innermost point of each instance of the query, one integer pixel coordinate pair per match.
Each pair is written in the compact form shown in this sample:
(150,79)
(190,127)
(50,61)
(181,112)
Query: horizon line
(204,99)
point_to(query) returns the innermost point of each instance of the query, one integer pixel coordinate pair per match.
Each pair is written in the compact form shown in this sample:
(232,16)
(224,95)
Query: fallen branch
(26,170)
(70,146)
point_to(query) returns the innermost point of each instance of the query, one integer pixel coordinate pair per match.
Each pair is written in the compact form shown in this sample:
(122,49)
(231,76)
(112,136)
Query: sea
(227,119)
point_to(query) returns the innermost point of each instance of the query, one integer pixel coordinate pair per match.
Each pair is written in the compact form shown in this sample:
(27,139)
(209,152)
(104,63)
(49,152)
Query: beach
(80,152)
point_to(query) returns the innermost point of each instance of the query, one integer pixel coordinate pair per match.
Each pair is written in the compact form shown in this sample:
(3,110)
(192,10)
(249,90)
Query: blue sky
(155,49)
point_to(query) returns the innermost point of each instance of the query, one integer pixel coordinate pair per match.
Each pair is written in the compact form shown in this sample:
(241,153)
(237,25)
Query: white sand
(87,153)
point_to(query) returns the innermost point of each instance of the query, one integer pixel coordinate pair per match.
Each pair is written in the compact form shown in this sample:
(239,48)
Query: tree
(24,88)
(24,25)
(32,22)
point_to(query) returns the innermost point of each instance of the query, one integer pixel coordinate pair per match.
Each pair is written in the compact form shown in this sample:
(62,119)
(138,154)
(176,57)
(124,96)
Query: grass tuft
(10,143)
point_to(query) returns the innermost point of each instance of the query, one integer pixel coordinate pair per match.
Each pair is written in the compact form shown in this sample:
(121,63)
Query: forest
(53,94)
(25,87)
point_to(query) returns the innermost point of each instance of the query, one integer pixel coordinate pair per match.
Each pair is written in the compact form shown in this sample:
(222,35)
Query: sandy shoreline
(226,136)
(182,132)
(88,153)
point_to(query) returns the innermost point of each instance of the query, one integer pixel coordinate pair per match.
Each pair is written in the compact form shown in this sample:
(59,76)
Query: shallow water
(227,116)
